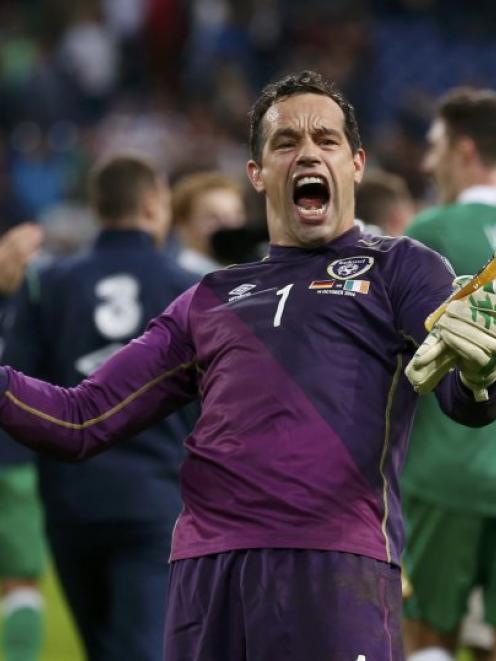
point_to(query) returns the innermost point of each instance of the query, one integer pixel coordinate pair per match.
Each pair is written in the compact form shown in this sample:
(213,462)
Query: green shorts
(446,554)
(22,550)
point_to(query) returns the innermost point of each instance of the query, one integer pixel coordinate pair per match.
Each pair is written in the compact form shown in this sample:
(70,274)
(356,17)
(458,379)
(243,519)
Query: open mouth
(311,196)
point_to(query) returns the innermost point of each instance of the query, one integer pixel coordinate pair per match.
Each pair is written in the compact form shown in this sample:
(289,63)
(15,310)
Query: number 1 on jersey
(283,293)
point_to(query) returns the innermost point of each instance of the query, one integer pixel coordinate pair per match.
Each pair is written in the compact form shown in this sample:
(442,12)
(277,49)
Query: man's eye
(284,145)
(328,142)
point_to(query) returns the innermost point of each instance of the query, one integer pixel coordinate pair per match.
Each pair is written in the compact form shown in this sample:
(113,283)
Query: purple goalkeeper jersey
(306,411)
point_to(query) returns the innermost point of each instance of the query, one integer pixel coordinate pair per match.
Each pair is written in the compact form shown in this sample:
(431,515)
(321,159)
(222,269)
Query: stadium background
(175,79)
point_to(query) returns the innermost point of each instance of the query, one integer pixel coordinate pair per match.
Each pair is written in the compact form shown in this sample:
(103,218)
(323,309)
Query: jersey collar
(478,194)
(288,252)
(121,238)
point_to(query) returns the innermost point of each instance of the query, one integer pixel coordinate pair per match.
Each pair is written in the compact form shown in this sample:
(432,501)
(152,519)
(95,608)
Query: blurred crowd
(174,79)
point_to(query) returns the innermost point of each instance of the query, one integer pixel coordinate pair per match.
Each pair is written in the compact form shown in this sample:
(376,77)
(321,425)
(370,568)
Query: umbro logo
(240,292)
(241,289)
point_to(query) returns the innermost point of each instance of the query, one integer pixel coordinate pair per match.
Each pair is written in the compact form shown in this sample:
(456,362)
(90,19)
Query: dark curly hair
(305,82)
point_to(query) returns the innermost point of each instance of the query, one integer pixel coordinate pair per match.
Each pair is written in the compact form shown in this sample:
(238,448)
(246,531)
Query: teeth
(312,212)
(310,180)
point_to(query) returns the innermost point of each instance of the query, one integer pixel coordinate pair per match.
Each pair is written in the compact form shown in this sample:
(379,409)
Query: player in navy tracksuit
(109,521)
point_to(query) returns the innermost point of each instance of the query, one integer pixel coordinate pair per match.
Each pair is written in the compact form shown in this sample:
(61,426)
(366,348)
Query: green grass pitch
(61,642)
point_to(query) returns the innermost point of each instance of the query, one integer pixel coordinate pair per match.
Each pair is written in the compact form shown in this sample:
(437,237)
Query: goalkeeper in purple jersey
(289,541)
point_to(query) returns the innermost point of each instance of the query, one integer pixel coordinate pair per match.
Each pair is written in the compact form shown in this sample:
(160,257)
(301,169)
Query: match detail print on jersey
(341,286)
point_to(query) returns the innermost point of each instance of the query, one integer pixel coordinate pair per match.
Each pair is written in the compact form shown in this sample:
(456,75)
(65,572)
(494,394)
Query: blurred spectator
(449,479)
(165,31)
(203,204)
(21,528)
(399,147)
(68,228)
(383,200)
(17,247)
(89,53)
(41,168)
(109,521)
(18,50)
(125,18)
(148,125)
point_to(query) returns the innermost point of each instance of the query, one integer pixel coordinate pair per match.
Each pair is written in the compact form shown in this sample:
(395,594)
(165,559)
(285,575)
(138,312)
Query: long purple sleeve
(149,378)
(458,402)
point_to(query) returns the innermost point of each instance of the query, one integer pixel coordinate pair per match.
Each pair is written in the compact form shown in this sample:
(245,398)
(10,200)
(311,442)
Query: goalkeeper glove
(433,359)
(468,328)
(431,362)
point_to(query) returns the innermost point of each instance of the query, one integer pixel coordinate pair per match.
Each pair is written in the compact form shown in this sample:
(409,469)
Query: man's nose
(309,153)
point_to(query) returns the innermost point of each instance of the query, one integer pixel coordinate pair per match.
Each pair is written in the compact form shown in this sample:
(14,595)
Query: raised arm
(149,378)
(415,298)
(463,338)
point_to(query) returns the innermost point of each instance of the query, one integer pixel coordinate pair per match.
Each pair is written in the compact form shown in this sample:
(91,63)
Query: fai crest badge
(350,267)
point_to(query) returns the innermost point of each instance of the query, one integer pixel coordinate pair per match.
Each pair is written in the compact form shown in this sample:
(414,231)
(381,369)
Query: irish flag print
(361,286)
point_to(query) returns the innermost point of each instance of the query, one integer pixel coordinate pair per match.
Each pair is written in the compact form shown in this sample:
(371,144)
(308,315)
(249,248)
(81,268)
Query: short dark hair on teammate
(116,187)
(471,112)
(305,82)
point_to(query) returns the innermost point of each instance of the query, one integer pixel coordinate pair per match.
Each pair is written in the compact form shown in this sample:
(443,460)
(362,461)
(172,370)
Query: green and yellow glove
(468,329)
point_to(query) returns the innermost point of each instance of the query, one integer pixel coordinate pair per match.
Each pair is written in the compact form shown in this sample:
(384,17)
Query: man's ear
(254,172)
(149,204)
(466,148)
(359,162)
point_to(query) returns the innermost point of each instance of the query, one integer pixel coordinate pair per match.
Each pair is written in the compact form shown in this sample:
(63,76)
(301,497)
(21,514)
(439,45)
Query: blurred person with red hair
(203,204)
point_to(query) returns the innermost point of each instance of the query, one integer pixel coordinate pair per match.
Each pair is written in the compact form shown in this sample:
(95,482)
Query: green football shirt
(448,463)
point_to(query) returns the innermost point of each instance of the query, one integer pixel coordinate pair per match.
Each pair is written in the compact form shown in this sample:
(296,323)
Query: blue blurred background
(175,79)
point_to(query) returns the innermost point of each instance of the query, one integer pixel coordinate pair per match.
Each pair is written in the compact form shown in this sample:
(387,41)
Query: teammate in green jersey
(21,528)
(449,482)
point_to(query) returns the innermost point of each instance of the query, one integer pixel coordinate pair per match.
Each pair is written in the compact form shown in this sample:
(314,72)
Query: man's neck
(194,243)
(476,176)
